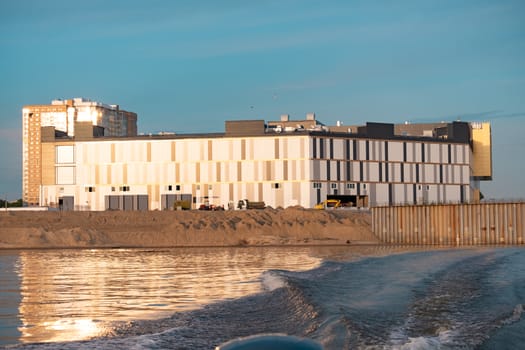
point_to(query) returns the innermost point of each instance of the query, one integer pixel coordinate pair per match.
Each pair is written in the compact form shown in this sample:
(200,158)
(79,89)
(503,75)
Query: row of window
(353,154)
(177,187)
(349,186)
(169,188)
(113,188)
(276,185)
(383,171)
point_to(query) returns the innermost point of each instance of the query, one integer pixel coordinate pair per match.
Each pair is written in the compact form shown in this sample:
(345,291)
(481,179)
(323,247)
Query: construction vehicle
(182,205)
(247,204)
(328,204)
(207,206)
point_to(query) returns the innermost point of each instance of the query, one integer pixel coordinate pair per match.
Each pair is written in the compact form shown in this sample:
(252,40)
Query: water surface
(341,297)
(61,295)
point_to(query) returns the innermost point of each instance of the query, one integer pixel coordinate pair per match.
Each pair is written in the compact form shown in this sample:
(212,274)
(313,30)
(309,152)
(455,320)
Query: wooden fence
(450,224)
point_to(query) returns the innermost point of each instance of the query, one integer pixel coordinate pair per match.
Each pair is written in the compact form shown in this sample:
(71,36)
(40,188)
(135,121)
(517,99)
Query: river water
(341,297)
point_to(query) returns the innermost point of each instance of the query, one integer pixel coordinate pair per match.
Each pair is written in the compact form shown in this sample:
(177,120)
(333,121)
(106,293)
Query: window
(350,186)
(276,185)
(317,185)
(333,185)
(65,154)
(112,188)
(89,189)
(177,187)
(170,187)
(124,188)
(65,175)
(210,187)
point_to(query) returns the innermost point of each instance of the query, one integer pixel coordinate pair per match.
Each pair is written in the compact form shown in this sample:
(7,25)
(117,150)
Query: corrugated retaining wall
(450,224)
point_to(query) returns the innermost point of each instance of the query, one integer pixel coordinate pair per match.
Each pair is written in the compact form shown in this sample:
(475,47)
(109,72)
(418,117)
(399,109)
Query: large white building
(283,163)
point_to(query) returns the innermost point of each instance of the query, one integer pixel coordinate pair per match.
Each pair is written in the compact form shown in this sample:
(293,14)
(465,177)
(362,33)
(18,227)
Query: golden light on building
(482,151)
(73,165)
(63,116)
(481,156)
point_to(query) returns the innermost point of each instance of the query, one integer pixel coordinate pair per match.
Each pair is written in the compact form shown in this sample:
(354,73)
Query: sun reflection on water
(78,294)
(71,329)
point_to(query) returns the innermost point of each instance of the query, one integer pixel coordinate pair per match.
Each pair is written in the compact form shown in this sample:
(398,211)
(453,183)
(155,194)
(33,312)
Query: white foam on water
(516,315)
(142,342)
(270,341)
(401,341)
(272,281)
(424,343)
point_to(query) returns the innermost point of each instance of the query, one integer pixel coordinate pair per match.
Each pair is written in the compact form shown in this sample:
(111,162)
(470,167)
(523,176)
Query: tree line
(11,204)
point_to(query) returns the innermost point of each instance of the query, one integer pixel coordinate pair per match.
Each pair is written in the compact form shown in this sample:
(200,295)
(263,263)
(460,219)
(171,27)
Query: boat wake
(451,299)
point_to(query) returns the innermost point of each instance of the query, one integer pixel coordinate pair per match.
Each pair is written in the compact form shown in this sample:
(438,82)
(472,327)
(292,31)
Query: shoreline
(294,226)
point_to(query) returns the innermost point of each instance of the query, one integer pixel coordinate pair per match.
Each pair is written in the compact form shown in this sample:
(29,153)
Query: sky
(187,66)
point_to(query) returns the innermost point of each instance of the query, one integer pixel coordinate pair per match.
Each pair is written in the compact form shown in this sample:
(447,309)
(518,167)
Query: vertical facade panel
(410,157)
(361,148)
(434,153)
(373,174)
(395,151)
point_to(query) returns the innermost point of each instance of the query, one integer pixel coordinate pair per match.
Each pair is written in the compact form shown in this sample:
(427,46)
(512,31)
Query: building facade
(64,116)
(282,165)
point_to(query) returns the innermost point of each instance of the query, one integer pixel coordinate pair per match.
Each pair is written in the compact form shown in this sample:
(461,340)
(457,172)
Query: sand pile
(293,226)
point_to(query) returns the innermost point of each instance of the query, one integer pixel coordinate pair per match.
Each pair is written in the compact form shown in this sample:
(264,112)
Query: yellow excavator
(328,204)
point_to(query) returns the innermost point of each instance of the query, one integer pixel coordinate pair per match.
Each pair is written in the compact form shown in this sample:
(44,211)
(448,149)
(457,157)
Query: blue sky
(187,66)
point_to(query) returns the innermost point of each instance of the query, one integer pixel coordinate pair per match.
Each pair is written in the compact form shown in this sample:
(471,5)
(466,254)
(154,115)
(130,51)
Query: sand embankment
(292,226)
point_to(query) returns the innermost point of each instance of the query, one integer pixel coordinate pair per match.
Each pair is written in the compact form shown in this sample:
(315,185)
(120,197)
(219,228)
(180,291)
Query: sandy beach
(291,226)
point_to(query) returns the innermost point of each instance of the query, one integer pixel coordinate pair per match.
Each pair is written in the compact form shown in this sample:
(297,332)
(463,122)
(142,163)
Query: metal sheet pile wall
(454,224)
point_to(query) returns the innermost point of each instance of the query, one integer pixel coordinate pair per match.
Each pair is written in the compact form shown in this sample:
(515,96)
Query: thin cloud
(490,115)
(507,115)
(476,115)
(473,116)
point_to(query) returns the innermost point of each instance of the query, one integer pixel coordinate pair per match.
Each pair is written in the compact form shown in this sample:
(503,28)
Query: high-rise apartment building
(65,116)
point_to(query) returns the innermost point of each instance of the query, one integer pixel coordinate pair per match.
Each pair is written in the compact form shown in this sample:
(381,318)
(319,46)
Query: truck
(248,204)
(182,205)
